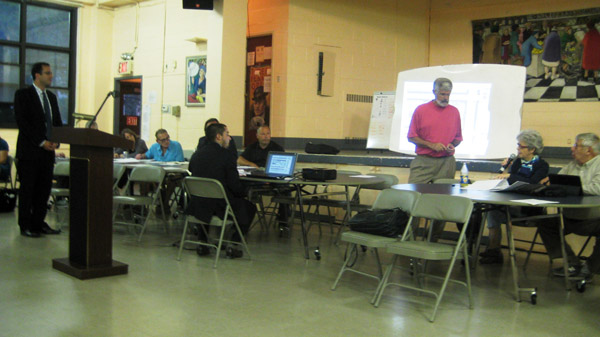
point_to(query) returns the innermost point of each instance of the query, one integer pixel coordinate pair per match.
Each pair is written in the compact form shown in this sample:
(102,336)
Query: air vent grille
(359,98)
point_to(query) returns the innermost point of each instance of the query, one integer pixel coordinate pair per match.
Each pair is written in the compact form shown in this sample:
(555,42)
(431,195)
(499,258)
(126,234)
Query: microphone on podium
(508,162)
(114,94)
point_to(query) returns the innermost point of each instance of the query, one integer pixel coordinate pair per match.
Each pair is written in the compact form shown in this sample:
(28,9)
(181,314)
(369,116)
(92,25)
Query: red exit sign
(125,67)
(133,121)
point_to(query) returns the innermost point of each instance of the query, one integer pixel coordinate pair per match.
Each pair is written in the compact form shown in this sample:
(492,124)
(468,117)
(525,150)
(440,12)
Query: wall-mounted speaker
(198,4)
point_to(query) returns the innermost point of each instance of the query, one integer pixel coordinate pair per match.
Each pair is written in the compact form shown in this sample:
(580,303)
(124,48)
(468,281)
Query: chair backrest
(390,198)
(62,169)
(443,207)
(147,173)
(118,171)
(204,188)
(389,180)
(9,161)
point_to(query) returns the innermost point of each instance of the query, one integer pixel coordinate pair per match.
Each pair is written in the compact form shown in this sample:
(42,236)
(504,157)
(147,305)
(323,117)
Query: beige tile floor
(277,293)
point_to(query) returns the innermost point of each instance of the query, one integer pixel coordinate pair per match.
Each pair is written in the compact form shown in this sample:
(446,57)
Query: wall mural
(561,51)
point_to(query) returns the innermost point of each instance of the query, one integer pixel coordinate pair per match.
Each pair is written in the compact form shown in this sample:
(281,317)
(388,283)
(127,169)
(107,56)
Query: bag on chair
(8,199)
(383,222)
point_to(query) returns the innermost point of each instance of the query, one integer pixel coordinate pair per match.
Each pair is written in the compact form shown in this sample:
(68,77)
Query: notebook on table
(280,165)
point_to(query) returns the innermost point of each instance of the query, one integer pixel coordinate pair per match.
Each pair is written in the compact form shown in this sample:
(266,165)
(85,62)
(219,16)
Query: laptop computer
(279,165)
(571,184)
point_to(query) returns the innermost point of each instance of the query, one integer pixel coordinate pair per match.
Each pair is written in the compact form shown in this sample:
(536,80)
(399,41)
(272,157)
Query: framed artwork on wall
(561,51)
(195,86)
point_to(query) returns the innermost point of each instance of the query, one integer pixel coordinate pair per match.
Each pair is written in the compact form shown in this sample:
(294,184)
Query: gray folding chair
(141,174)
(387,199)
(59,194)
(118,172)
(9,181)
(389,180)
(213,189)
(433,207)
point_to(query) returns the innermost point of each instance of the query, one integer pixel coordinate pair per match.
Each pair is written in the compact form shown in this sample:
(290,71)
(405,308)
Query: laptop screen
(281,164)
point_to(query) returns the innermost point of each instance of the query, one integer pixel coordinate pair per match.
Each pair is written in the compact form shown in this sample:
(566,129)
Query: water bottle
(464,175)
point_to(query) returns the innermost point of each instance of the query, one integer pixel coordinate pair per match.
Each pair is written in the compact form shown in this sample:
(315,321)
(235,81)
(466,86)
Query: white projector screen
(488,96)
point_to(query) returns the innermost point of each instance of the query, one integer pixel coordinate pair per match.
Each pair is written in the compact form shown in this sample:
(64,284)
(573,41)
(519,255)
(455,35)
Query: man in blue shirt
(164,149)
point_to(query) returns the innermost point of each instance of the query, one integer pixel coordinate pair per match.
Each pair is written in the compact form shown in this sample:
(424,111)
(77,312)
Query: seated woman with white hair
(529,168)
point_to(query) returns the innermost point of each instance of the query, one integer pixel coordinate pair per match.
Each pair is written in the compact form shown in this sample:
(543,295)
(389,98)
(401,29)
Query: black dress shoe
(30,234)
(202,250)
(233,253)
(47,230)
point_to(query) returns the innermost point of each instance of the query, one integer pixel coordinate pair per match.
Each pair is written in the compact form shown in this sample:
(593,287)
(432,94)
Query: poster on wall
(195,81)
(560,50)
(259,111)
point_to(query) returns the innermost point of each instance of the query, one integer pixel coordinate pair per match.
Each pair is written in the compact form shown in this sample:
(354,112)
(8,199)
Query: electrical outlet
(569,141)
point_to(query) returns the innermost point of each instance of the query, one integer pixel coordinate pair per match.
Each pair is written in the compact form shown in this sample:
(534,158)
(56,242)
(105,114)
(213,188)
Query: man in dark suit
(213,160)
(36,112)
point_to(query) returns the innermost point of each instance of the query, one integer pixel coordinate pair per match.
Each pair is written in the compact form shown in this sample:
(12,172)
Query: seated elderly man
(165,149)
(256,154)
(581,221)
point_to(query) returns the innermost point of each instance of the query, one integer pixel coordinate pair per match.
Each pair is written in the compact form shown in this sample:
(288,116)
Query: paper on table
(535,201)
(362,176)
(486,185)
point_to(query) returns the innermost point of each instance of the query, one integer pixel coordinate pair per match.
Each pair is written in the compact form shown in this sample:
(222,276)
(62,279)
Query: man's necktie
(48,115)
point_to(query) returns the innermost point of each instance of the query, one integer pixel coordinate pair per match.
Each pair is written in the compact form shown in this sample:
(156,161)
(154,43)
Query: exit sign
(132,121)
(125,67)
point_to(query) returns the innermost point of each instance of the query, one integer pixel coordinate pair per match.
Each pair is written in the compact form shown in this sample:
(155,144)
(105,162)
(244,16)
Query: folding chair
(118,172)
(432,207)
(61,170)
(213,189)
(141,174)
(388,198)
(8,181)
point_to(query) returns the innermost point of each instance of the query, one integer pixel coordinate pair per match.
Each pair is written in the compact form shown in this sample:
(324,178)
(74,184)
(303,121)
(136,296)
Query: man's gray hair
(532,140)
(591,140)
(442,83)
(262,126)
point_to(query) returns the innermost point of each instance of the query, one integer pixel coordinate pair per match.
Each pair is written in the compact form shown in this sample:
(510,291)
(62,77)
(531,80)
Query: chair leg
(584,245)
(343,269)
(468,275)
(383,283)
(220,243)
(445,284)
(182,241)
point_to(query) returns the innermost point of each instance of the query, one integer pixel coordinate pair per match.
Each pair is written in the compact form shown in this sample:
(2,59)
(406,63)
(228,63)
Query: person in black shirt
(256,154)
(202,141)
(213,160)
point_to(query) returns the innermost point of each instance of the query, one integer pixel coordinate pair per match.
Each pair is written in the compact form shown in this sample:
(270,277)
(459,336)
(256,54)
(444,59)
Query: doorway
(258,86)
(128,105)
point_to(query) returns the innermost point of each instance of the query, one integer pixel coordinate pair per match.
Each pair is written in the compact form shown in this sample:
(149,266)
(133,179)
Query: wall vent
(359,98)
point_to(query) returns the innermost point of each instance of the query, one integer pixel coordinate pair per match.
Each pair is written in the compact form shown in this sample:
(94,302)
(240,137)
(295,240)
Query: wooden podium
(91,182)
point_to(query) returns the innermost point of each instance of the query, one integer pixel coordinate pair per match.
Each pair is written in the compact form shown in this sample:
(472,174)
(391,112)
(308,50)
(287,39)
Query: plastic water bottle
(464,175)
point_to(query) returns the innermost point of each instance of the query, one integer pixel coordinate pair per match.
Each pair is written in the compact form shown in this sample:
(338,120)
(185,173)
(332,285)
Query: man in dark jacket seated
(213,160)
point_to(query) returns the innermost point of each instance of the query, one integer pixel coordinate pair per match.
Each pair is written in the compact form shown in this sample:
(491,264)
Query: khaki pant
(424,169)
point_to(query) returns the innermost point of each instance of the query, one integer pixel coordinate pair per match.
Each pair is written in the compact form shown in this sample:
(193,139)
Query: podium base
(84,273)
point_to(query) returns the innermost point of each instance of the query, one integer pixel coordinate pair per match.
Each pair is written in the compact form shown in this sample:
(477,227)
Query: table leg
(302,220)
(513,260)
(561,229)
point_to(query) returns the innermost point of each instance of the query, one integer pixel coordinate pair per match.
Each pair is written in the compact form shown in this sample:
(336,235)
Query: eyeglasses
(163,140)
(519,146)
